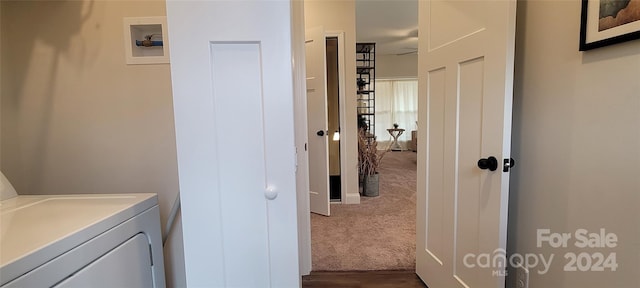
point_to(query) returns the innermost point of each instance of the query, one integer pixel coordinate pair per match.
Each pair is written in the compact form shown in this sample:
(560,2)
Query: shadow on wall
(48,33)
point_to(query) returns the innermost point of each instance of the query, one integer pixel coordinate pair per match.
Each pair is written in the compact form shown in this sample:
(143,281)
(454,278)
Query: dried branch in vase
(369,157)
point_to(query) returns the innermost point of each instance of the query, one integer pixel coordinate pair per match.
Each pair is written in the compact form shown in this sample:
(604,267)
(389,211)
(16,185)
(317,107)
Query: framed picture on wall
(606,22)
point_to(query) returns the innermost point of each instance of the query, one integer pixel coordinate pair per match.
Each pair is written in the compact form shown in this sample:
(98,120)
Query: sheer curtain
(396,102)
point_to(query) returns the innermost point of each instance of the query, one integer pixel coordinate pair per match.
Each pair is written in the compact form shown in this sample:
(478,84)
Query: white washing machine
(111,240)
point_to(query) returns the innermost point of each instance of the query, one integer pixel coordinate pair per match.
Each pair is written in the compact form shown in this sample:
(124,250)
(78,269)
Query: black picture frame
(618,34)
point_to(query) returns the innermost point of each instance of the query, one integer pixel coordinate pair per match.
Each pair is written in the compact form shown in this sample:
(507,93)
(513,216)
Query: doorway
(333,118)
(365,219)
(325,95)
(465,79)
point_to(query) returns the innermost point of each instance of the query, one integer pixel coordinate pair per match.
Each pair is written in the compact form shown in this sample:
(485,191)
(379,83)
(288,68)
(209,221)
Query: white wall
(75,117)
(397,66)
(576,143)
(340,16)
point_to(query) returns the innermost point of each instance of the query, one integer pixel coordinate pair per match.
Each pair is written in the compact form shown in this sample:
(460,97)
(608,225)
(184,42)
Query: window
(396,102)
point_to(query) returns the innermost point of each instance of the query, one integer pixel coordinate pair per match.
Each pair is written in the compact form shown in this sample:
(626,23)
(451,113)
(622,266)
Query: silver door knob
(270,193)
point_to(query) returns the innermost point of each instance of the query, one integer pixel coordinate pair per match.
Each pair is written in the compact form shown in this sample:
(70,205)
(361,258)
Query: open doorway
(333,118)
(462,78)
(325,96)
(379,233)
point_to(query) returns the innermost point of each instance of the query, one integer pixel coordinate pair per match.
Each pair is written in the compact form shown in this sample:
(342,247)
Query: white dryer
(111,240)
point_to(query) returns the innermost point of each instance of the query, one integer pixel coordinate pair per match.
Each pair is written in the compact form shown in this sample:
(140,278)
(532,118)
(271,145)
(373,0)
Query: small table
(395,133)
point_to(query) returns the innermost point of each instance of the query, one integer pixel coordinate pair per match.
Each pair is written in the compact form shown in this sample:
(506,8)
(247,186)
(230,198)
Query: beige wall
(397,66)
(339,16)
(1,41)
(75,117)
(576,142)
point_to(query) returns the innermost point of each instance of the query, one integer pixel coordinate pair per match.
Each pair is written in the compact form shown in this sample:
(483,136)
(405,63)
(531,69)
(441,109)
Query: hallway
(379,233)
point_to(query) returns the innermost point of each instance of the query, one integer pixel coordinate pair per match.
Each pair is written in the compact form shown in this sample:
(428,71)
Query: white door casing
(302,155)
(465,63)
(231,66)
(315,46)
(342,104)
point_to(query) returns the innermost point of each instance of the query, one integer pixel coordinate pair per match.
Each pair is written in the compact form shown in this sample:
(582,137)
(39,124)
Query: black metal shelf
(365,47)
(366,80)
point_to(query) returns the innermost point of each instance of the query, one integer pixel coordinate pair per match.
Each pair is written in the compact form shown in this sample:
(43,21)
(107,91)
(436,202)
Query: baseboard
(352,198)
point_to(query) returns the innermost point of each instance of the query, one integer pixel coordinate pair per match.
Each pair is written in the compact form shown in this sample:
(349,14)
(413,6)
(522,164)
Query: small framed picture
(606,22)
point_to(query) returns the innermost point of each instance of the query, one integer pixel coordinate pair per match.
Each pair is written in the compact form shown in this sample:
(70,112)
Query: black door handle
(320,133)
(490,163)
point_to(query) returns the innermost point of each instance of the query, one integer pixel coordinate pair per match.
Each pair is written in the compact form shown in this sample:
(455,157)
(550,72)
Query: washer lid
(6,189)
(35,229)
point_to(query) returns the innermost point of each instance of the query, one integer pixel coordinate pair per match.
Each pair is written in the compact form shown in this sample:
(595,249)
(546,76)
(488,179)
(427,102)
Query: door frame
(342,110)
(298,48)
(301,130)
(304,232)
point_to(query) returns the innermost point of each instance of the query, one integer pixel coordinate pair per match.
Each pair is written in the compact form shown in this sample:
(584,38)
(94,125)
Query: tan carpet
(379,233)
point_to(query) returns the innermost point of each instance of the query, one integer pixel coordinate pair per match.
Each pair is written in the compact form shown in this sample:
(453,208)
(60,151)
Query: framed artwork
(606,22)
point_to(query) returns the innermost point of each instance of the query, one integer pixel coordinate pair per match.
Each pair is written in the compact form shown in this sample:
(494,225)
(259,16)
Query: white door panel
(317,120)
(233,104)
(465,74)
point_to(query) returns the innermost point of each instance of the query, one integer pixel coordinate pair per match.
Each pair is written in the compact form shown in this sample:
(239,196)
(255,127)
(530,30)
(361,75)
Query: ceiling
(391,24)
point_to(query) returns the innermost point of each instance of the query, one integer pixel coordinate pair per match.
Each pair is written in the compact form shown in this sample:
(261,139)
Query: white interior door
(317,122)
(465,77)
(233,104)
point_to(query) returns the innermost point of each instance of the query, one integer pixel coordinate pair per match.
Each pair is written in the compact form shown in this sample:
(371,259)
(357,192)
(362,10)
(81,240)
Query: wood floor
(365,279)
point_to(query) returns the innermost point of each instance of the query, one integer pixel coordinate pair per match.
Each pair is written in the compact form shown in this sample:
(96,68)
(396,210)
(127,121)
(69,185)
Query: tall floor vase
(371,185)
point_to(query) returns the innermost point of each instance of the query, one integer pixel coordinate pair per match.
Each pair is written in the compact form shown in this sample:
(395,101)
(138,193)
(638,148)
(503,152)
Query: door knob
(270,193)
(490,163)
(320,133)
